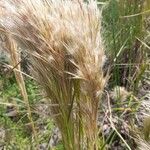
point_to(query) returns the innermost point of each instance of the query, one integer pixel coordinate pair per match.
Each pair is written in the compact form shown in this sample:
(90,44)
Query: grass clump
(63,41)
(67,57)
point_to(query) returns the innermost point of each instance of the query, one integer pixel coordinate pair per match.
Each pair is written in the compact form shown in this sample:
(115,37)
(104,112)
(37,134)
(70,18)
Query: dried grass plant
(63,38)
(15,60)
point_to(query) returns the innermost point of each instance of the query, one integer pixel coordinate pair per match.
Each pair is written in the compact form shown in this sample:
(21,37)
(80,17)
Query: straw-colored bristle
(143,145)
(64,40)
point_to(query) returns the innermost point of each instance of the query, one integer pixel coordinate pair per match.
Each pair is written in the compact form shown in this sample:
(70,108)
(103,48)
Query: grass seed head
(67,54)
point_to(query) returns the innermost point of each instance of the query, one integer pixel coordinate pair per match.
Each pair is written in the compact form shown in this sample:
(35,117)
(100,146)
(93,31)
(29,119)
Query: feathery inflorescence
(67,56)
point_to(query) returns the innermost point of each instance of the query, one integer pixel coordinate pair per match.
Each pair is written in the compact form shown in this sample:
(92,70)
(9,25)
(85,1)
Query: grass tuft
(67,57)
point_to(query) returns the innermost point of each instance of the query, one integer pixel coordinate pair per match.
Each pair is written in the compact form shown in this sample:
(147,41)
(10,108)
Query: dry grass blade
(15,60)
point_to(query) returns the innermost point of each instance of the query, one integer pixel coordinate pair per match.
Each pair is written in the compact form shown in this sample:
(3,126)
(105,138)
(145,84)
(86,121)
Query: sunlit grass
(66,66)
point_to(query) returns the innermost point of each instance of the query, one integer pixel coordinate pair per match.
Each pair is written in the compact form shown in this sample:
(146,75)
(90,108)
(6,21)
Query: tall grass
(67,57)
(123,27)
(64,41)
(126,47)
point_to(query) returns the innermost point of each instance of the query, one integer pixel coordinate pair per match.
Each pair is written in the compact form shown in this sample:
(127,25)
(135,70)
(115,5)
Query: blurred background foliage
(124,27)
